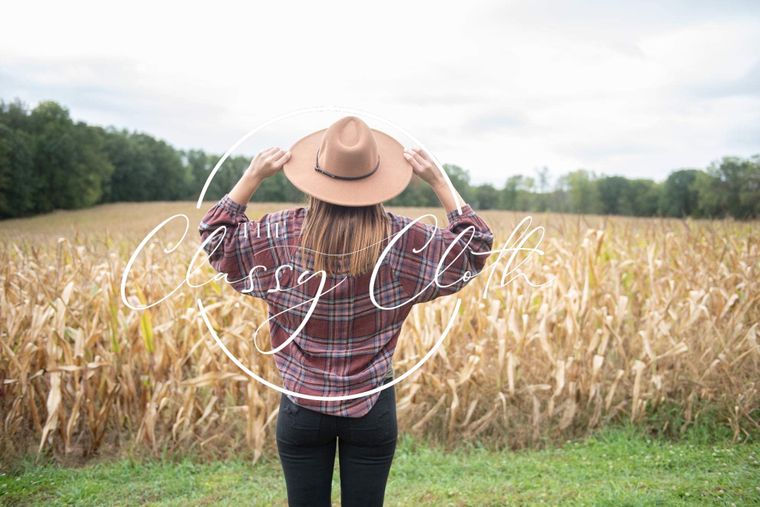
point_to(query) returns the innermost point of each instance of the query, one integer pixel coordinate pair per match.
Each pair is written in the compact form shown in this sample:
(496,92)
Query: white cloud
(637,88)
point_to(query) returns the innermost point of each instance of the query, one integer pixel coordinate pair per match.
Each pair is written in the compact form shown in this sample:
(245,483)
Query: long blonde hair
(341,237)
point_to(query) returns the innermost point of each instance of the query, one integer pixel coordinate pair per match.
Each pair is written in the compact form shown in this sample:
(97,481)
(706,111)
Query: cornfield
(644,316)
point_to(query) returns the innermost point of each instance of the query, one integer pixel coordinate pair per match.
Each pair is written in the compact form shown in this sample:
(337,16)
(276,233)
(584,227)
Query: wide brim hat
(349,163)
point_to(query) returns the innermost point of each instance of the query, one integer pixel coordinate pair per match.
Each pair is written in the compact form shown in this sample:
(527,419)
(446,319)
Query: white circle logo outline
(202,308)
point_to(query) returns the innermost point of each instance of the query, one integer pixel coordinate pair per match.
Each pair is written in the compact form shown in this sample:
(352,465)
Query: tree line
(48,161)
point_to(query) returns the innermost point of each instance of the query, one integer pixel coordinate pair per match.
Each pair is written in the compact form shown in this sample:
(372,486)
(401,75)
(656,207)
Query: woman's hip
(302,426)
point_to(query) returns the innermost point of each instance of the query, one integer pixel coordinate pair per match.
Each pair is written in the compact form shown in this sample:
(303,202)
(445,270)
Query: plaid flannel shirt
(347,345)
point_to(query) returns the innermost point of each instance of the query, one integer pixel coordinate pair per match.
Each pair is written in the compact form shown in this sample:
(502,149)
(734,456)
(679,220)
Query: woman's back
(347,342)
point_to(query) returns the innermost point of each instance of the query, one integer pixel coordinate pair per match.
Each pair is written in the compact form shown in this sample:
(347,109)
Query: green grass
(617,467)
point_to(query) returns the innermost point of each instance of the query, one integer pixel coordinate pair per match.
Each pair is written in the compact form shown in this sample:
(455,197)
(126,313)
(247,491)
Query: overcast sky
(500,88)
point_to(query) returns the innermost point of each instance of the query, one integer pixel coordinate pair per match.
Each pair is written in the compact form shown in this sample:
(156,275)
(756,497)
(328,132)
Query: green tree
(730,186)
(614,195)
(582,193)
(516,193)
(129,181)
(54,150)
(644,197)
(679,197)
(16,173)
(486,196)
(739,181)
(48,161)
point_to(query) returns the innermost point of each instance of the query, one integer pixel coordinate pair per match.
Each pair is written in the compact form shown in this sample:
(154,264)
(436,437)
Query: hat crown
(348,148)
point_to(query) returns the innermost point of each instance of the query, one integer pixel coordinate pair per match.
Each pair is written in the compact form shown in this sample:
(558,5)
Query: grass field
(649,321)
(617,467)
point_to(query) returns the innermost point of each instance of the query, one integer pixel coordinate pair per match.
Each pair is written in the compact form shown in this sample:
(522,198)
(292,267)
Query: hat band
(322,170)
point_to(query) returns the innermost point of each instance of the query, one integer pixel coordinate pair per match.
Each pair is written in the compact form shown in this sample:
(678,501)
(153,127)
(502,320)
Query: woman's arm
(236,245)
(466,256)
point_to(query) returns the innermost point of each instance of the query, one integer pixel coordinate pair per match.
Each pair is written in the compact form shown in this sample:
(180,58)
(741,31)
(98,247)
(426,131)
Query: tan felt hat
(349,164)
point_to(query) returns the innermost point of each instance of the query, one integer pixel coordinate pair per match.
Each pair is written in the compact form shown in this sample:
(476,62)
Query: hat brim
(390,179)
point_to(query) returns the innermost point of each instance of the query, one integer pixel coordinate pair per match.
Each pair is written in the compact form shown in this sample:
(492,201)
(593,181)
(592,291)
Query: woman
(327,253)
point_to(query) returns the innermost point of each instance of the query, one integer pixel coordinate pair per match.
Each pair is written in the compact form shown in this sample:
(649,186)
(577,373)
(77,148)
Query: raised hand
(268,163)
(424,167)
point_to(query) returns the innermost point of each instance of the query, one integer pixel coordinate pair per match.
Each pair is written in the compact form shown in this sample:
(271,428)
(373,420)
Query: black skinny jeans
(306,442)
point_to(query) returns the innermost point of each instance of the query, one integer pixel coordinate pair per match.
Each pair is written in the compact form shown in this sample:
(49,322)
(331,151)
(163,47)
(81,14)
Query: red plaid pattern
(346,346)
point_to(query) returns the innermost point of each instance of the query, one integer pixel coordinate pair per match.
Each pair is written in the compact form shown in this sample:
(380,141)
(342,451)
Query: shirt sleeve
(423,246)
(246,251)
